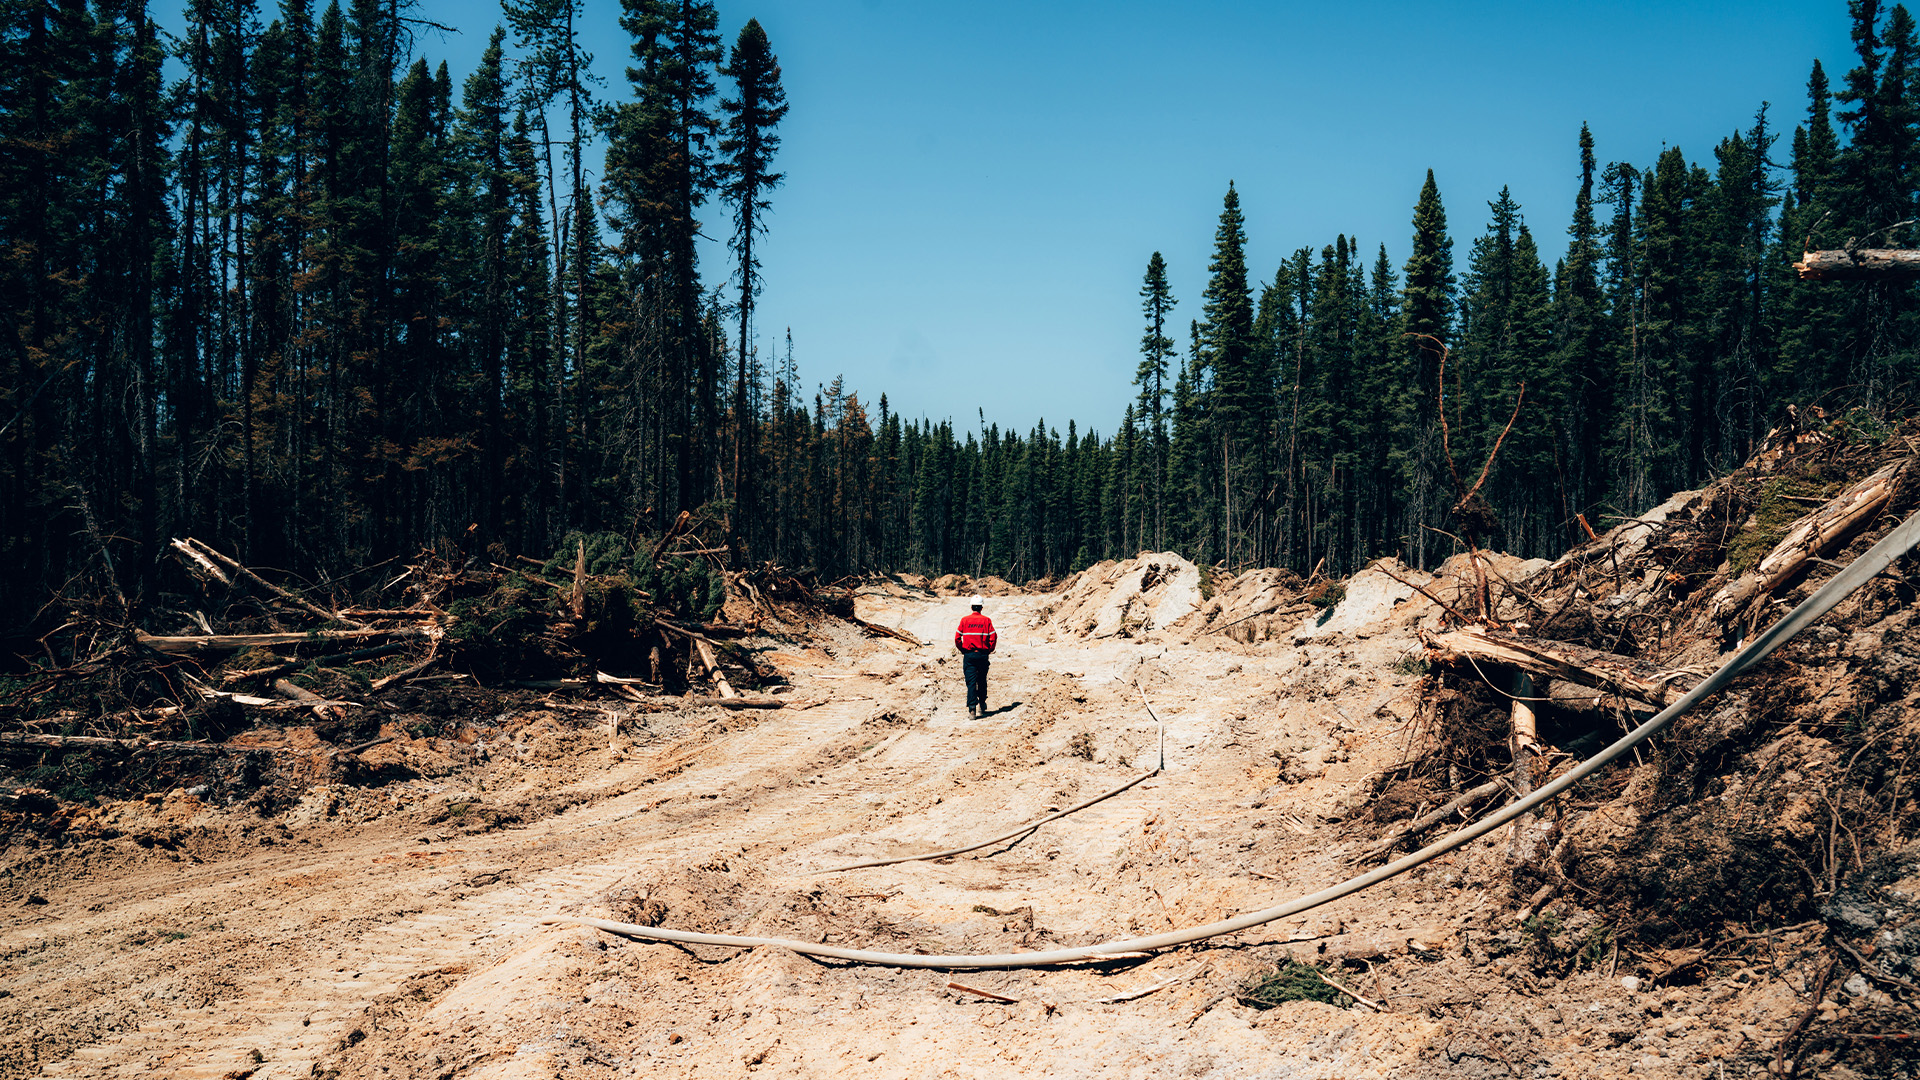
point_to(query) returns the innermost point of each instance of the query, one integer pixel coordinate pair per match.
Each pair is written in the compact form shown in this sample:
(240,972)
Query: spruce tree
(1426,323)
(1580,351)
(746,149)
(1156,349)
(1238,399)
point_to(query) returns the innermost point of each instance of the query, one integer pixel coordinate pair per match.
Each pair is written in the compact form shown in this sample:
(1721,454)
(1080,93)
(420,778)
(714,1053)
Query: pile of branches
(448,634)
(1527,677)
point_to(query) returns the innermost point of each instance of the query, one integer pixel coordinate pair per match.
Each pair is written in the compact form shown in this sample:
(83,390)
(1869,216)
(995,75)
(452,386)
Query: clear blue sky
(973,190)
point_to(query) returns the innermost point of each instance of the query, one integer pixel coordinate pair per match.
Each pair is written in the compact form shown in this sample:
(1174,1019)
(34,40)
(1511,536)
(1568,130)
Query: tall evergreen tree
(660,171)
(1239,398)
(1426,322)
(752,114)
(1156,349)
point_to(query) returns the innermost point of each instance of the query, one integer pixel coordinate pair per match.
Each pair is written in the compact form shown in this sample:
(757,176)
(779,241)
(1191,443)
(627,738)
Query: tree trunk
(1889,263)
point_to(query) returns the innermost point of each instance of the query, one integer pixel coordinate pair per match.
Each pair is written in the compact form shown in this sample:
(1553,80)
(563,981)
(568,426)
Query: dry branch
(1430,818)
(299,602)
(1559,660)
(21,739)
(719,702)
(407,672)
(323,661)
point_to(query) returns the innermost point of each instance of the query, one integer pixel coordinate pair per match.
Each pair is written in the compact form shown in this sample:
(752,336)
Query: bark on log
(720,702)
(210,642)
(23,739)
(1558,660)
(1899,263)
(1845,515)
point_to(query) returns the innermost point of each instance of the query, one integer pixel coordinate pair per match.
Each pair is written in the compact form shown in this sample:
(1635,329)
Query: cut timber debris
(208,642)
(1559,660)
(1851,511)
(23,739)
(202,556)
(1845,265)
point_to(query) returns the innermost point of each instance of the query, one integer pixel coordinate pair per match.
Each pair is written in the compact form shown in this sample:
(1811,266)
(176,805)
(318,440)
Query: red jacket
(976,634)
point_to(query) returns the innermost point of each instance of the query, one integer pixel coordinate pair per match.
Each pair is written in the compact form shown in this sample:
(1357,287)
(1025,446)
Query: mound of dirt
(1249,607)
(1120,599)
(962,585)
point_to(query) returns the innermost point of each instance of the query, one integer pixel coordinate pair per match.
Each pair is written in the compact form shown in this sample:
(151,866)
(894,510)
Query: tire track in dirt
(275,1017)
(335,933)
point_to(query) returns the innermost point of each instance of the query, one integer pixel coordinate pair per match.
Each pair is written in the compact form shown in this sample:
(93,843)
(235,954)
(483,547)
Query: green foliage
(1784,500)
(79,777)
(1558,945)
(689,587)
(1411,664)
(608,553)
(1331,596)
(1292,980)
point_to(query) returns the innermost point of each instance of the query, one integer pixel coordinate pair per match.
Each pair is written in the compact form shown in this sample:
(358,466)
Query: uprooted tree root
(1785,799)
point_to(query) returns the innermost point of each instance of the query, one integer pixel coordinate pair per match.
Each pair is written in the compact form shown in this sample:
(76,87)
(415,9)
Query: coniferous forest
(280,285)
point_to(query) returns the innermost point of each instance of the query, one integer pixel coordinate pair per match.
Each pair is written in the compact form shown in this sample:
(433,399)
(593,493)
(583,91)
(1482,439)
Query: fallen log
(216,642)
(885,631)
(718,702)
(1840,518)
(1608,672)
(712,662)
(1901,263)
(23,739)
(323,661)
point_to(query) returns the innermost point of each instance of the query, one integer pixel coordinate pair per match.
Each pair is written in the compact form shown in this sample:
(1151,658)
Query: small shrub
(1291,981)
(1411,664)
(1558,945)
(1082,746)
(1331,596)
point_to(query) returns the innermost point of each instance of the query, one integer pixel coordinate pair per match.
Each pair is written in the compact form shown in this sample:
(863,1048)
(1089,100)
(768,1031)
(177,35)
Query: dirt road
(400,931)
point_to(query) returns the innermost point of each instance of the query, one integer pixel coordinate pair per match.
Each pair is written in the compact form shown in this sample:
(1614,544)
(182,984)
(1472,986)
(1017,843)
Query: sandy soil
(400,931)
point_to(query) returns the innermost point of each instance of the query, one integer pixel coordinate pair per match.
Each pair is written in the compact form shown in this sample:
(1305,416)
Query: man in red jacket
(975,639)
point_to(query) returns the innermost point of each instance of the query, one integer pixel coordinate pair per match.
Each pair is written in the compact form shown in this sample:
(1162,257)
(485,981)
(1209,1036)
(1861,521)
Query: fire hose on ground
(1856,574)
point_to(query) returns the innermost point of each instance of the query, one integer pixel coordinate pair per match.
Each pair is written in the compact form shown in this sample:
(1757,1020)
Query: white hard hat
(977,601)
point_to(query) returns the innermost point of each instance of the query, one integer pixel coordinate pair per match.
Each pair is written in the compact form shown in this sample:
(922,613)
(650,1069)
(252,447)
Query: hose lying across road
(1896,543)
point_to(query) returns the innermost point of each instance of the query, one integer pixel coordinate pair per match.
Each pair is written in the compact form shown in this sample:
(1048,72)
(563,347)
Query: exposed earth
(408,929)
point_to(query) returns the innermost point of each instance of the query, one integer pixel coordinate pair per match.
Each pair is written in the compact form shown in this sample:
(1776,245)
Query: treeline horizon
(319,305)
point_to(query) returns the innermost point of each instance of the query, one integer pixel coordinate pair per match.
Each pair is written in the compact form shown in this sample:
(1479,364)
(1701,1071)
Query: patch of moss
(1783,501)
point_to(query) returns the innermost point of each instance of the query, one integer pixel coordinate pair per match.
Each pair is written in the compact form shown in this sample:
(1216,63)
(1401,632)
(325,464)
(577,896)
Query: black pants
(974,664)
